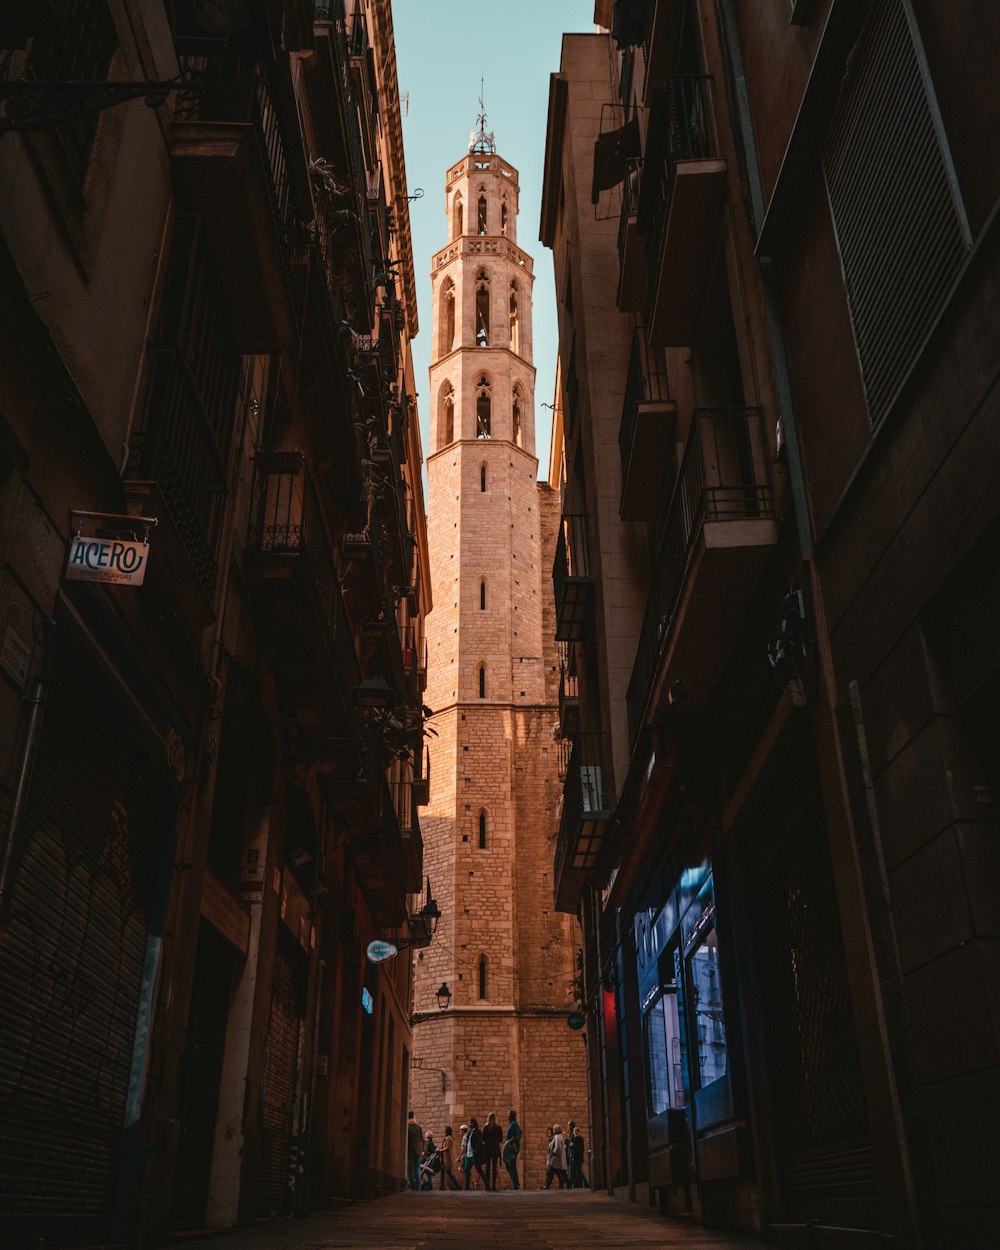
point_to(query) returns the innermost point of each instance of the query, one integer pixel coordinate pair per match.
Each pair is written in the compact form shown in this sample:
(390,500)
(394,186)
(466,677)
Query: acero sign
(103,558)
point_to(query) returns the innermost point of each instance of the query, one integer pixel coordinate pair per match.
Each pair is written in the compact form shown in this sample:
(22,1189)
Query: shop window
(706,993)
(662,1045)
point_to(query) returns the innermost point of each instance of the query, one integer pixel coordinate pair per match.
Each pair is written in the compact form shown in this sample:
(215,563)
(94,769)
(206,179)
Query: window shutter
(901,233)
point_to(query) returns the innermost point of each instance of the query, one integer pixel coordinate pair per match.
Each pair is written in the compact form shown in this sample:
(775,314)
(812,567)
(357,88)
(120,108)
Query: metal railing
(685,115)
(630,201)
(572,552)
(402,802)
(646,383)
(177,449)
(587,793)
(228,92)
(721,478)
(287,521)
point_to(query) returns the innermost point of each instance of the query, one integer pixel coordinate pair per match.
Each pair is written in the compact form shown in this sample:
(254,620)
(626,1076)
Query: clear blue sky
(442,47)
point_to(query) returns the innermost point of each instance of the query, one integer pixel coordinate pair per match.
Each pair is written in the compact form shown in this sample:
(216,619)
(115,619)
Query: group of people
(480,1152)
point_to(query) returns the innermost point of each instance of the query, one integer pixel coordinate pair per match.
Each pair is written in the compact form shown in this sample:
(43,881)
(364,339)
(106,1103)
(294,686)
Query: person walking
(492,1139)
(446,1153)
(574,1154)
(556,1162)
(429,1162)
(473,1153)
(512,1148)
(414,1147)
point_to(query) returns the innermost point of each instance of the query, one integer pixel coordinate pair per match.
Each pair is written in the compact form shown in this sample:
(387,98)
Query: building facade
(775,426)
(506,956)
(209,780)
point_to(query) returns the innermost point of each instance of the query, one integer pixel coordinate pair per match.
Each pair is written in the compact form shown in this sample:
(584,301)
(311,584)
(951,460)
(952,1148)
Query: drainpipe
(37,703)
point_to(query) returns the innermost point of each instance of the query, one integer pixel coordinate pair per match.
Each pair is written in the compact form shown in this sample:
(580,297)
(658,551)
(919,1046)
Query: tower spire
(482,140)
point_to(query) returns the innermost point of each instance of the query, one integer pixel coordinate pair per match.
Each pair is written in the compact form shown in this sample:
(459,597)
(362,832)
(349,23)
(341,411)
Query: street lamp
(373,693)
(444,996)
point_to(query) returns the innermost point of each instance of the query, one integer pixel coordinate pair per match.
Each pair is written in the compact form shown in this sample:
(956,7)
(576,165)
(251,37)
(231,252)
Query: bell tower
(507,957)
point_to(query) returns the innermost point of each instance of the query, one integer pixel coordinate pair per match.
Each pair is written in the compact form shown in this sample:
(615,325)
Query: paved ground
(482,1221)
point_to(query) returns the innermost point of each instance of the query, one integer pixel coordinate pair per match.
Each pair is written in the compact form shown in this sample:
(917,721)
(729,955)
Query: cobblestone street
(481,1221)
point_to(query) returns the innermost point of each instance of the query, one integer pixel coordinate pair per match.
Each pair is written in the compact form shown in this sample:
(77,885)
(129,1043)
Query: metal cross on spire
(482,140)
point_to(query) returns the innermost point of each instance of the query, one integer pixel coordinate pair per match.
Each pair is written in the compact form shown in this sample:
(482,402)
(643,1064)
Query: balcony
(682,199)
(422,778)
(572,579)
(569,692)
(719,530)
(297,595)
(233,169)
(404,803)
(646,435)
(588,803)
(411,664)
(631,244)
(176,472)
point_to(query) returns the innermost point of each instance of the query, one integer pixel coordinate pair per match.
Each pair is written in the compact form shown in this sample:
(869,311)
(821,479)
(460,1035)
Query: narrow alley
(523,1221)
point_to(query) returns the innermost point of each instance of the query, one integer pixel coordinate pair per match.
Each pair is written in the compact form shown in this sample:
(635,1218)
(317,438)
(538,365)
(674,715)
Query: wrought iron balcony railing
(572,577)
(721,478)
(646,383)
(681,132)
(288,523)
(630,201)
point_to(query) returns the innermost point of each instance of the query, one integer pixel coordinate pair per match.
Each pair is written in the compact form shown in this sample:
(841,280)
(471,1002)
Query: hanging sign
(105,557)
(379,951)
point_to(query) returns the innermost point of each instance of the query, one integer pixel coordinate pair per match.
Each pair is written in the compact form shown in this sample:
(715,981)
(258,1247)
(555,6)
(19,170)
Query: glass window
(662,1043)
(706,995)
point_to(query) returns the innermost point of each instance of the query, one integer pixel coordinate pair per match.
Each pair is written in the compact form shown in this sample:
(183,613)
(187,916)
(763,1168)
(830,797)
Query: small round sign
(576,1020)
(379,951)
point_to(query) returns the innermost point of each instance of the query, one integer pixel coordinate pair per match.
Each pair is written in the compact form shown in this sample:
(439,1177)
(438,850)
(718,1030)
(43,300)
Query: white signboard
(114,560)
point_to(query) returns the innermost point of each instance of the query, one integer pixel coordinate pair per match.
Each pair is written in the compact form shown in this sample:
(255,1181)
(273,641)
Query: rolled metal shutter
(71,964)
(274,1186)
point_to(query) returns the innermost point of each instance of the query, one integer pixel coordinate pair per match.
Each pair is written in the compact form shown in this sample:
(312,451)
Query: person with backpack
(512,1148)
(474,1153)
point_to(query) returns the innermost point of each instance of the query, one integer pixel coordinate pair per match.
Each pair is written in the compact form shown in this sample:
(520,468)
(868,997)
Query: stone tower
(489,833)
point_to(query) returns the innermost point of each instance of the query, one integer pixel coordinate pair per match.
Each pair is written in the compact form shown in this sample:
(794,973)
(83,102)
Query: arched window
(482,478)
(503,218)
(482,212)
(515,336)
(447,316)
(516,416)
(459,216)
(484,428)
(446,422)
(482,309)
(482,681)
(482,828)
(482,595)
(483,977)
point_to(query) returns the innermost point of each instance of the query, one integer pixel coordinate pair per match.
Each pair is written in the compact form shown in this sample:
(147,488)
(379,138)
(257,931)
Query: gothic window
(503,218)
(482,213)
(483,977)
(482,681)
(447,316)
(484,427)
(482,595)
(515,337)
(482,309)
(447,415)
(516,416)
(482,478)
(459,222)
(482,828)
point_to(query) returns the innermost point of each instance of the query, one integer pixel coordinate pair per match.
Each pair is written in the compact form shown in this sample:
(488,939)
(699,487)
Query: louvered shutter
(901,232)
